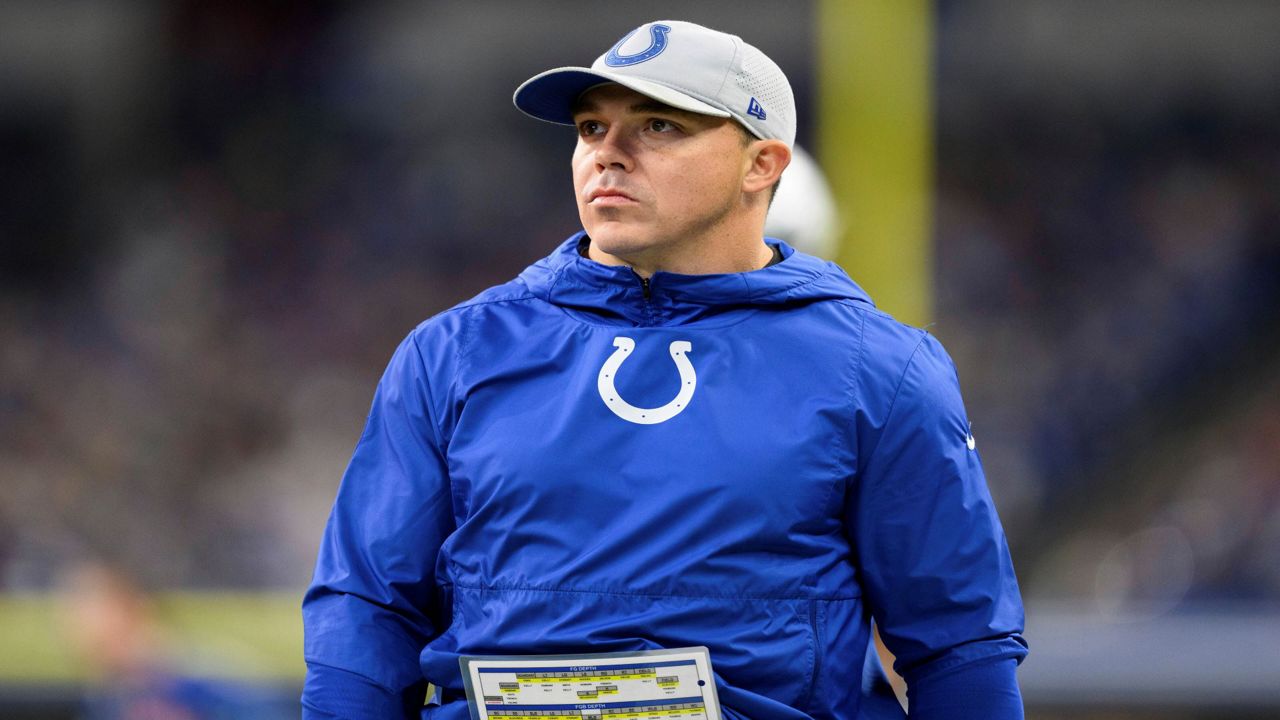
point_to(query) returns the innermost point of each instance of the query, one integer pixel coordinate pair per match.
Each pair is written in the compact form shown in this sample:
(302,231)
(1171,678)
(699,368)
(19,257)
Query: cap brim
(551,95)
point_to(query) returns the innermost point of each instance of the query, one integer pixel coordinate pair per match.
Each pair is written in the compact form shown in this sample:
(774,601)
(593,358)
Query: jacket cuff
(981,690)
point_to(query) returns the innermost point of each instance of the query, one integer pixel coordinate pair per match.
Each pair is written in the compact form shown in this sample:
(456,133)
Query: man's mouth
(609,196)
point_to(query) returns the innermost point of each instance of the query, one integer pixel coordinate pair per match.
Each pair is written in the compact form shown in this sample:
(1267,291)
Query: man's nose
(614,151)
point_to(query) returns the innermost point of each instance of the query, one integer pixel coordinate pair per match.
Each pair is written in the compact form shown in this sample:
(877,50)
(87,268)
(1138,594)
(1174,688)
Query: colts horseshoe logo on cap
(646,416)
(657,43)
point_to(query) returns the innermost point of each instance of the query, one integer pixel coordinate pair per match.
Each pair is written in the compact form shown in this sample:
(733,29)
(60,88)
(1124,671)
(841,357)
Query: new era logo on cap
(684,65)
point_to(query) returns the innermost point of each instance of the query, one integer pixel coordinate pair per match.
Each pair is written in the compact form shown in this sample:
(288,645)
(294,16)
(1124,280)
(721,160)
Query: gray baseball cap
(684,65)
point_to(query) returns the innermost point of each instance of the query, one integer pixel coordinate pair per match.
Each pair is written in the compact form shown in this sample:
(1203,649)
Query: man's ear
(768,159)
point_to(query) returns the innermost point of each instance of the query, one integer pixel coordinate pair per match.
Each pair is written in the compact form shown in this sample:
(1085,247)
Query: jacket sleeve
(372,605)
(932,556)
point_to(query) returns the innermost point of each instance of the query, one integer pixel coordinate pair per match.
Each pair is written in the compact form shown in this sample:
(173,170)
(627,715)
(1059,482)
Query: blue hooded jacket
(578,461)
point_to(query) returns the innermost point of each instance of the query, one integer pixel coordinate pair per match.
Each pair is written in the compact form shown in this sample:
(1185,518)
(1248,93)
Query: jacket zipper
(647,289)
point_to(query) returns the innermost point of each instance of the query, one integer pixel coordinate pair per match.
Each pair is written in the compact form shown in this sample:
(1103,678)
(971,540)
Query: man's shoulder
(512,291)
(881,330)
(888,347)
(451,323)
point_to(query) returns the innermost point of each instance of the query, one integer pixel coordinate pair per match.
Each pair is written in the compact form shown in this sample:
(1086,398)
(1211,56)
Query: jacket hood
(567,279)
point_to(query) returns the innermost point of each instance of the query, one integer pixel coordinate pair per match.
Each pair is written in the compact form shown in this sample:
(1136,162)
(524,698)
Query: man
(669,433)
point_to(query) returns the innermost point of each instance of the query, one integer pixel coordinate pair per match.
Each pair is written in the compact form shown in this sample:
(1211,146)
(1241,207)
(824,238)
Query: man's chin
(625,247)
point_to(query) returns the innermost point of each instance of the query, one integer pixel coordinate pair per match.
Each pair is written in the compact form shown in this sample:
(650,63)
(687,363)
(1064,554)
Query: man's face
(653,183)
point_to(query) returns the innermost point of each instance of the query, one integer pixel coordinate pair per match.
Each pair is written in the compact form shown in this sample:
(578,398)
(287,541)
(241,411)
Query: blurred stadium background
(217,220)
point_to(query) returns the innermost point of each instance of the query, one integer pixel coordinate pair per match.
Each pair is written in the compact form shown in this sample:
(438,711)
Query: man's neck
(753,257)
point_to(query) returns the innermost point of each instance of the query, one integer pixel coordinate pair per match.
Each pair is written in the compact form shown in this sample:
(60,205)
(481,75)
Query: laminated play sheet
(647,685)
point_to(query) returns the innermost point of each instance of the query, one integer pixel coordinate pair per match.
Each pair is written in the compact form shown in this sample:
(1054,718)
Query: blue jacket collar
(568,279)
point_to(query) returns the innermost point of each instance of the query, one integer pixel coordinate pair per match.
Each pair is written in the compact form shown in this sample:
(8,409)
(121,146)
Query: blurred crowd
(1109,281)
(217,221)
(1112,299)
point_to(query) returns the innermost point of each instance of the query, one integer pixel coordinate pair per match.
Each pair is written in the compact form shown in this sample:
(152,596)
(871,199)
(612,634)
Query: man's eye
(588,127)
(659,125)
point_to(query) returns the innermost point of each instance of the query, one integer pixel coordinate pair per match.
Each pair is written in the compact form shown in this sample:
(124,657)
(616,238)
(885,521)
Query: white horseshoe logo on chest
(646,416)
